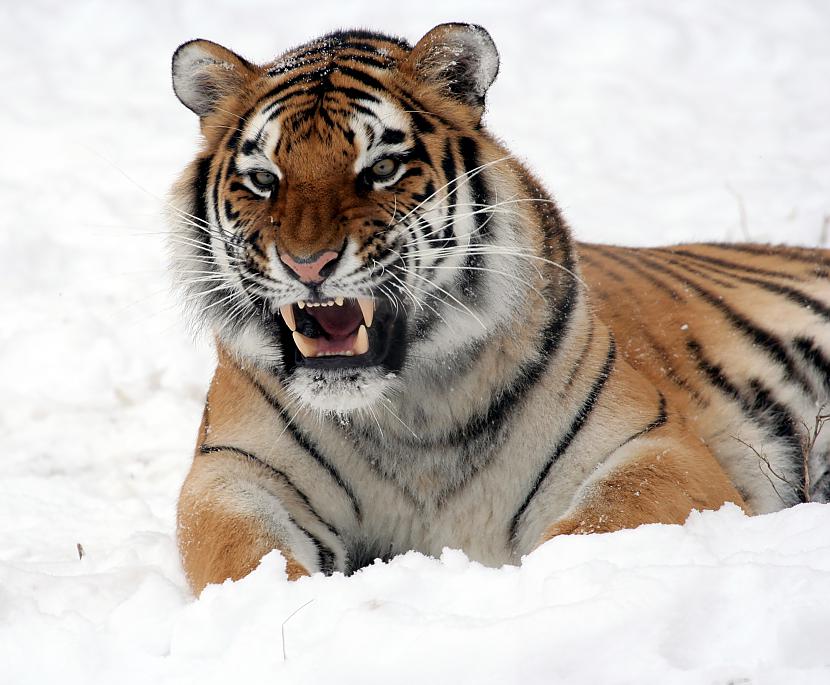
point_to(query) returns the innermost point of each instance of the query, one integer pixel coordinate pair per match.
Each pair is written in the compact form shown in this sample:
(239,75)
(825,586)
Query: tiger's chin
(341,391)
(341,354)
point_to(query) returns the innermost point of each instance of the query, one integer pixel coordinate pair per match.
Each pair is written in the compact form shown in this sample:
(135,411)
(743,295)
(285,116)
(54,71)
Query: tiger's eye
(384,168)
(263,179)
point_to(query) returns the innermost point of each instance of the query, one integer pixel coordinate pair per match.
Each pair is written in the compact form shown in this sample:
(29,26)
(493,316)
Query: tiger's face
(335,226)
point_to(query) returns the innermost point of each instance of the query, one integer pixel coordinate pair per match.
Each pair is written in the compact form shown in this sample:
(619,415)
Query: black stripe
(638,269)
(777,416)
(200,209)
(763,404)
(474,176)
(366,34)
(355,94)
(231,244)
(726,264)
(792,294)
(589,259)
(250,146)
(419,152)
(253,243)
(696,270)
(210,449)
(579,420)
(304,79)
(236,134)
(229,211)
(362,77)
(419,122)
(658,422)
(363,110)
(813,354)
(529,374)
(760,405)
(336,45)
(713,372)
(410,173)
(312,58)
(369,61)
(580,361)
(450,171)
(667,362)
(217,180)
(429,190)
(761,337)
(791,254)
(303,441)
(392,136)
(325,556)
(236,186)
(324,48)
(470,275)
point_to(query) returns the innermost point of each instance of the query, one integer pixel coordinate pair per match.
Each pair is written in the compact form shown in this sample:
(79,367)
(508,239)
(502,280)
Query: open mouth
(343,332)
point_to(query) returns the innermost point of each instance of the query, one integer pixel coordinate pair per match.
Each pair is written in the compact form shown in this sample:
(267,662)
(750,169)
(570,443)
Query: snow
(652,122)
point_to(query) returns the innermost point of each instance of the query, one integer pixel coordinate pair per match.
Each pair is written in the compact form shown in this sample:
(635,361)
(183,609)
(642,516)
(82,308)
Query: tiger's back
(735,336)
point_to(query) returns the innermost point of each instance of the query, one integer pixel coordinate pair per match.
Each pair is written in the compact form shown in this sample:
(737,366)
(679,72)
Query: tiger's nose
(311,269)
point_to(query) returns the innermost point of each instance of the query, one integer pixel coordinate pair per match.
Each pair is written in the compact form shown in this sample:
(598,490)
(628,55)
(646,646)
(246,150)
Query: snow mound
(723,599)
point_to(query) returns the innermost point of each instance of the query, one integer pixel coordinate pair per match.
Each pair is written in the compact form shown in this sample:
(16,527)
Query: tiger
(414,353)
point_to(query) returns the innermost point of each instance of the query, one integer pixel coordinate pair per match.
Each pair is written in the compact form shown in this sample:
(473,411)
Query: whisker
(449,294)
(388,408)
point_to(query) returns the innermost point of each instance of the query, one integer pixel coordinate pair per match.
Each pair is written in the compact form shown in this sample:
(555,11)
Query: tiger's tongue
(338,322)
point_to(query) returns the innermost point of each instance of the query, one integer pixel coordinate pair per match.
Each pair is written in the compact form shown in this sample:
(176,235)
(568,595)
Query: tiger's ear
(204,73)
(461,58)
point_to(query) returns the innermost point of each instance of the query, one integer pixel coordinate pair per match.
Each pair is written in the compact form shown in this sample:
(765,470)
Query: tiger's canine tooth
(287,312)
(306,346)
(361,343)
(367,306)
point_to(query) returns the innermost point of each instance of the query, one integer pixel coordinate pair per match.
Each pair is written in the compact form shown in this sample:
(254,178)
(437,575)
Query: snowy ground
(651,121)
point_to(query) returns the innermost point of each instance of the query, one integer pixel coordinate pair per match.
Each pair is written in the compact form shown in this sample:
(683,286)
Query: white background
(650,122)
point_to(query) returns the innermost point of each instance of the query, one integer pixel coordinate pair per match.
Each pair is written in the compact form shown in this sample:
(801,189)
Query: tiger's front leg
(654,480)
(229,516)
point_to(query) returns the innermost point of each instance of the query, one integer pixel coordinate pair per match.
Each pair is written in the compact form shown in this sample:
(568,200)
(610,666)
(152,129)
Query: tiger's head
(348,220)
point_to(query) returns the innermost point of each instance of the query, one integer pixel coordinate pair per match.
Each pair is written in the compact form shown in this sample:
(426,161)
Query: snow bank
(651,122)
(723,599)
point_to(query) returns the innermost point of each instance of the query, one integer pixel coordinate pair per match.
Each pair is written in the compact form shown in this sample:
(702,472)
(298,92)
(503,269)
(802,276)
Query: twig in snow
(741,211)
(764,459)
(287,619)
(809,439)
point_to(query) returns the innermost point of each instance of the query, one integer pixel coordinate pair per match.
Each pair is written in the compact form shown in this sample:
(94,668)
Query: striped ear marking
(204,73)
(460,57)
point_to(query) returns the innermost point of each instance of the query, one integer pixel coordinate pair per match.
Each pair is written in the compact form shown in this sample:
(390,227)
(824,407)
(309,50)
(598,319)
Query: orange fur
(215,543)
(658,486)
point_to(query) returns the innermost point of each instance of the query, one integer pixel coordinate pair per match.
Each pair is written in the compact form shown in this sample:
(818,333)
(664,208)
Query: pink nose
(308,270)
